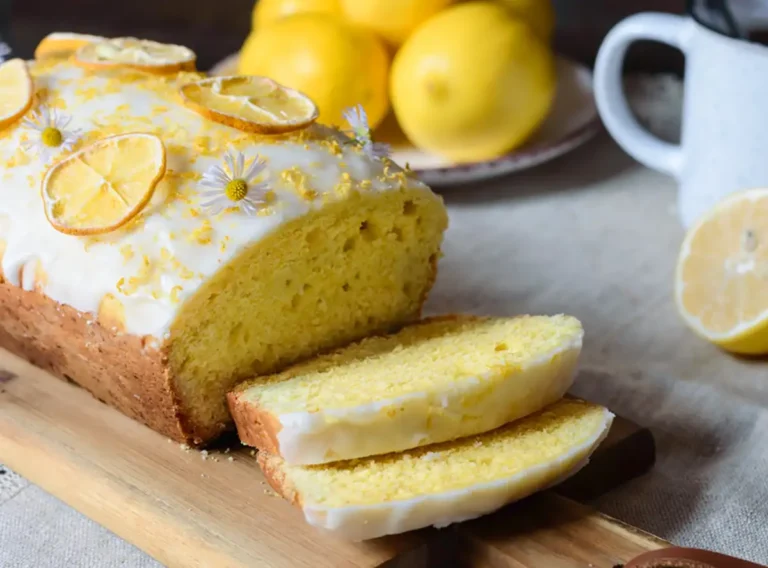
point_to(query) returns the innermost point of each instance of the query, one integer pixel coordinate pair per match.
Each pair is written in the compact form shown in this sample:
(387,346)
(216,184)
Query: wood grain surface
(187,511)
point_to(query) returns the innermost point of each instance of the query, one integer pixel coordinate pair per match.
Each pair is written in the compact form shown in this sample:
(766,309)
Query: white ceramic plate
(572,122)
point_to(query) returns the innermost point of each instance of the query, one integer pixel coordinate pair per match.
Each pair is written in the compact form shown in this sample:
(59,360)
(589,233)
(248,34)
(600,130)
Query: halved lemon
(103,186)
(16,90)
(722,274)
(139,54)
(250,103)
(60,44)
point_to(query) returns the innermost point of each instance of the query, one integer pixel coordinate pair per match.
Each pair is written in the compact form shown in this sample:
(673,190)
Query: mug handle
(609,93)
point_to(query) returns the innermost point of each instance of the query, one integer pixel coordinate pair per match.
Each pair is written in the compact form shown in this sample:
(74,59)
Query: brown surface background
(216,28)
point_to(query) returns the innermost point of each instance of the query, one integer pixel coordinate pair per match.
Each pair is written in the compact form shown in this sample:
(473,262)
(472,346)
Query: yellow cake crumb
(538,439)
(423,358)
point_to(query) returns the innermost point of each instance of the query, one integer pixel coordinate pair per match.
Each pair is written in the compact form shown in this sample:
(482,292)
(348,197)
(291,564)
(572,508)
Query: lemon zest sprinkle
(127,252)
(175,294)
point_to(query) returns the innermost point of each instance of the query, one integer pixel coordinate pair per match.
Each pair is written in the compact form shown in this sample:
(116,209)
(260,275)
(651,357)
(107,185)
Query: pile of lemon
(465,80)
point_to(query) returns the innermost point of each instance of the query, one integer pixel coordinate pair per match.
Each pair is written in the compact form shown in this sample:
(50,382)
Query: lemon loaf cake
(157,247)
(444,483)
(437,380)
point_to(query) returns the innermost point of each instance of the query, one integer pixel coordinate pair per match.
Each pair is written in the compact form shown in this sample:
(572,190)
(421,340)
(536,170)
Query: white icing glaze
(420,418)
(80,271)
(363,522)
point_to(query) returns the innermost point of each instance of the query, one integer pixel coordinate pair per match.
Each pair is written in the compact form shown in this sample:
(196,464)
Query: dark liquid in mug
(740,19)
(758,36)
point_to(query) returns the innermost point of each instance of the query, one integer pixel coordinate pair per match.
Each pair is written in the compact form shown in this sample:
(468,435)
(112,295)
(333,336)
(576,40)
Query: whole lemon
(392,20)
(335,64)
(539,14)
(472,83)
(267,11)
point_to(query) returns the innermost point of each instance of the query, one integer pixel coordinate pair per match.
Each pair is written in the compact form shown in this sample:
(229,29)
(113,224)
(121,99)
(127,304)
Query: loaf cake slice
(444,483)
(440,379)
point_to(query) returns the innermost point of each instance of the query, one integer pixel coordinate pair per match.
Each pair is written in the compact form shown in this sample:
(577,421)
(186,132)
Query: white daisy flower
(5,51)
(361,132)
(358,120)
(236,188)
(50,134)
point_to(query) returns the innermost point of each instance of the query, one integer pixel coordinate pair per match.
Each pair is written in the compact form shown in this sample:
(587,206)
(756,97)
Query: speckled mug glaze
(724,141)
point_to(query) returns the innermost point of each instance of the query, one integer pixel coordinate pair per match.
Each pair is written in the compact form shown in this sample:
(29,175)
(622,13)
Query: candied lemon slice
(16,91)
(103,186)
(251,104)
(60,44)
(140,54)
(722,274)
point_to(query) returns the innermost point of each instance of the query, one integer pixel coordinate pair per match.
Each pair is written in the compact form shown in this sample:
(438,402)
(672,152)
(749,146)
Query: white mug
(724,139)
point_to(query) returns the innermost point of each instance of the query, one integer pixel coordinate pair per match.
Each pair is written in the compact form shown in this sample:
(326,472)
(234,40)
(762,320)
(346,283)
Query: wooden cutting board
(186,511)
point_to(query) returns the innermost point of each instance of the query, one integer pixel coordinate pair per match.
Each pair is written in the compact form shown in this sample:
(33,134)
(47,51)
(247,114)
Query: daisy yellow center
(236,190)
(52,137)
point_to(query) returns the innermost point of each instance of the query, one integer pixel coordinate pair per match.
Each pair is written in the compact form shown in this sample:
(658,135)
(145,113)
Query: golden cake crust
(118,369)
(255,426)
(277,479)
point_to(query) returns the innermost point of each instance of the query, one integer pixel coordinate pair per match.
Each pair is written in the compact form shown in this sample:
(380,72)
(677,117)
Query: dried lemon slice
(104,185)
(60,44)
(140,54)
(251,104)
(16,91)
